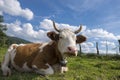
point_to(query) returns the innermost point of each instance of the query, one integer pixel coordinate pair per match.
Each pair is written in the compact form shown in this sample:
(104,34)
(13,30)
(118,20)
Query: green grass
(85,67)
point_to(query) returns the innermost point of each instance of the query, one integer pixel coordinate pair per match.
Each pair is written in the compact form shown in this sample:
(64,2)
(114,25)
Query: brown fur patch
(26,53)
(80,39)
(49,55)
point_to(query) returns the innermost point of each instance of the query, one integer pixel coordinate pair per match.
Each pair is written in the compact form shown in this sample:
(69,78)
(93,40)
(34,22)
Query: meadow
(82,67)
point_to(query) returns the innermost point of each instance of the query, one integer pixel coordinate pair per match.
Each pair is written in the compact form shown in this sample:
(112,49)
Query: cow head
(66,40)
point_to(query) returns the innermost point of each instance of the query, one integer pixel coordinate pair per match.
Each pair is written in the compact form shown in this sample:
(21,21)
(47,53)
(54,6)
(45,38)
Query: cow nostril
(72,49)
(69,48)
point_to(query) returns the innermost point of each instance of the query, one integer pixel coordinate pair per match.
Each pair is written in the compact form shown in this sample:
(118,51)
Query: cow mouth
(70,54)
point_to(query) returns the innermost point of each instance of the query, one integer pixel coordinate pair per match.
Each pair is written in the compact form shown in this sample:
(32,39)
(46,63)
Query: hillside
(16,40)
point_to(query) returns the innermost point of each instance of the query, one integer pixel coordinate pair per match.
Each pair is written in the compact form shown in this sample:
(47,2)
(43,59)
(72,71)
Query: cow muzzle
(72,51)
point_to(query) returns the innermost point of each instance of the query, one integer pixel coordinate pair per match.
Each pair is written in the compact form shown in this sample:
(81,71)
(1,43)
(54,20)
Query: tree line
(3,28)
(5,40)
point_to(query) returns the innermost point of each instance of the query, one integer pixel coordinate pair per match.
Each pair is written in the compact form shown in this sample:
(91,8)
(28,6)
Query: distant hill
(16,40)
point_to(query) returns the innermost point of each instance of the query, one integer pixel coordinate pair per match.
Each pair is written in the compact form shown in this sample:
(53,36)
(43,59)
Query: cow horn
(55,27)
(77,31)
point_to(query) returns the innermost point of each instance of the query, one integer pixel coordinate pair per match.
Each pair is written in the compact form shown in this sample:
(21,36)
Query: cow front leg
(43,70)
(60,69)
(64,69)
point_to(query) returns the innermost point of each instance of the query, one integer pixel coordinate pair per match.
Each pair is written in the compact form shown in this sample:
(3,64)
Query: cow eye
(60,37)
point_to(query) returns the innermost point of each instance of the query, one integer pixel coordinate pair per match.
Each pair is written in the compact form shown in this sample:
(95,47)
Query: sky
(32,19)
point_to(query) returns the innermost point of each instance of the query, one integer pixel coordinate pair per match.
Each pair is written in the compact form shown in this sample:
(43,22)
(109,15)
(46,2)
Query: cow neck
(61,58)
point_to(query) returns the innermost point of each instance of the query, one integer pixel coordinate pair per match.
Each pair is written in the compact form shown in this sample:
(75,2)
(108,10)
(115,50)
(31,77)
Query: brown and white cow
(43,58)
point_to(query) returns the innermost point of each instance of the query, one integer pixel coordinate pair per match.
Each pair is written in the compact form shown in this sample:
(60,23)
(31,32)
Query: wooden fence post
(119,45)
(106,48)
(80,49)
(97,48)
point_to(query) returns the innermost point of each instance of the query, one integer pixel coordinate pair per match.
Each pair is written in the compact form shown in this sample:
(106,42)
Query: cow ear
(80,39)
(53,36)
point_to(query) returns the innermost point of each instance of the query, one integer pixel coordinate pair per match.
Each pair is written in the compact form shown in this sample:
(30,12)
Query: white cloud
(108,43)
(118,37)
(45,17)
(48,25)
(26,30)
(1,13)
(90,44)
(12,7)
(88,47)
(109,51)
(100,33)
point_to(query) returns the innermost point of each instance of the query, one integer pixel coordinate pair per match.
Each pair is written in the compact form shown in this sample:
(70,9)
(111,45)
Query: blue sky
(31,19)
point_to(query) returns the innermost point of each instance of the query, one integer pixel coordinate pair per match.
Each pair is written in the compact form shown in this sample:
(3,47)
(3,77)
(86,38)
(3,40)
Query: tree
(3,28)
(1,18)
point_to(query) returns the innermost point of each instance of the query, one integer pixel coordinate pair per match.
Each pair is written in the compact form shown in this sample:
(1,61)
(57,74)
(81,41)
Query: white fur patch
(42,46)
(4,66)
(9,56)
(22,44)
(64,69)
(11,47)
(44,71)
(12,55)
(48,70)
(50,43)
(34,67)
(76,53)
(26,68)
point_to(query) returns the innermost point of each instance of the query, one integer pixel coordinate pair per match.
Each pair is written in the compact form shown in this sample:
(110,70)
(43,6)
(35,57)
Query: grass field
(85,67)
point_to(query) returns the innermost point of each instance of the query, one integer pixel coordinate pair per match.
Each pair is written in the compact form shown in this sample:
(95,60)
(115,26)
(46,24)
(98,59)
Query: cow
(43,58)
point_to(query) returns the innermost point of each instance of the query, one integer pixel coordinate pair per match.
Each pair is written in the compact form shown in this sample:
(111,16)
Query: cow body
(43,58)
(38,57)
